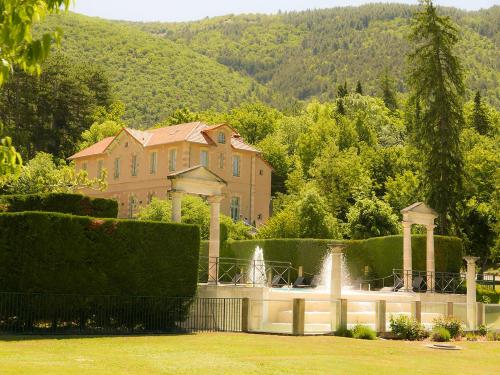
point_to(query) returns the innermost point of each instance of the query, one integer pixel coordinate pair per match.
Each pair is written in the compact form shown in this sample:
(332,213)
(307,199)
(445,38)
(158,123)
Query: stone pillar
(407,266)
(299,311)
(380,320)
(245,315)
(416,311)
(336,275)
(471,292)
(176,205)
(214,239)
(431,268)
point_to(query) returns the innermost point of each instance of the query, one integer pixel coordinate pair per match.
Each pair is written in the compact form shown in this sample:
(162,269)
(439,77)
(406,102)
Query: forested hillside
(151,75)
(279,59)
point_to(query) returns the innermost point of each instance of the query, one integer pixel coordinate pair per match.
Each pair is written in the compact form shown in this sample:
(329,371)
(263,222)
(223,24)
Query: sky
(188,10)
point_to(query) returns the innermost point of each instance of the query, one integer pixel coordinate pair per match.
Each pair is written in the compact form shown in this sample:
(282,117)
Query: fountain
(326,272)
(257,268)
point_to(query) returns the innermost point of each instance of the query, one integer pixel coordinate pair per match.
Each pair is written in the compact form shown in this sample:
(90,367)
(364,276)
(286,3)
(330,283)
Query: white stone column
(471,292)
(214,240)
(407,265)
(431,268)
(336,275)
(176,205)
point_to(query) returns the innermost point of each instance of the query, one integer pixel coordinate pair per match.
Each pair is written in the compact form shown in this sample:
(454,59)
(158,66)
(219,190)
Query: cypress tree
(436,83)
(479,117)
(342,90)
(388,95)
(359,88)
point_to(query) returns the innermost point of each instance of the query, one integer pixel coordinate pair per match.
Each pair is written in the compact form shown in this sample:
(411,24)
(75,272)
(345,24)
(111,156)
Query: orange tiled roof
(195,132)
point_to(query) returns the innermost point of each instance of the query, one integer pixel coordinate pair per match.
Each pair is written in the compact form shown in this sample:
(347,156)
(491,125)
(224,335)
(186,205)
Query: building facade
(138,164)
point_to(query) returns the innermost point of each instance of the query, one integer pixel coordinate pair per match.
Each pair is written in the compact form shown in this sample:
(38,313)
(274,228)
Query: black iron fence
(29,313)
(219,270)
(423,281)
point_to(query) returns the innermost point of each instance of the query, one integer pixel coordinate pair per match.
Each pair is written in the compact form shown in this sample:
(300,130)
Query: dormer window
(221,138)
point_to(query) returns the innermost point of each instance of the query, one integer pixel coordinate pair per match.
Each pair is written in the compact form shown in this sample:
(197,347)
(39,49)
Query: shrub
(407,328)
(75,204)
(470,336)
(482,330)
(42,252)
(451,324)
(440,334)
(363,332)
(343,332)
(493,336)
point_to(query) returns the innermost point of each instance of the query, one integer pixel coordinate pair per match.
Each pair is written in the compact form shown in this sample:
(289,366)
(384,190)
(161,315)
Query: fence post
(449,309)
(301,271)
(299,309)
(417,311)
(245,314)
(480,313)
(381,316)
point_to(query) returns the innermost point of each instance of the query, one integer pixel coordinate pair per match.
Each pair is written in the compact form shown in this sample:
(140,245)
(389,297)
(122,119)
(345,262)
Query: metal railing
(29,313)
(423,281)
(220,270)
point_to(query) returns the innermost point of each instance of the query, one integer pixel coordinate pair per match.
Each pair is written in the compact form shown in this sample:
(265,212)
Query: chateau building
(138,164)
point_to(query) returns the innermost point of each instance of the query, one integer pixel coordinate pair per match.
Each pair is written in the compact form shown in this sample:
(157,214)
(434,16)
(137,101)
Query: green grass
(219,354)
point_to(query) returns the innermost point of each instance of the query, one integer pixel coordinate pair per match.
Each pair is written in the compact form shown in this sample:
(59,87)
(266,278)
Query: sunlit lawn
(236,354)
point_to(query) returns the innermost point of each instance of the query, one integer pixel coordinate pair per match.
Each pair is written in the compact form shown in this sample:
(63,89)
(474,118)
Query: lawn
(225,353)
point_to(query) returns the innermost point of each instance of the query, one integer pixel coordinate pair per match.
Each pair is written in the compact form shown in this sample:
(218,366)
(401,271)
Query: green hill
(152,75)
(280,59)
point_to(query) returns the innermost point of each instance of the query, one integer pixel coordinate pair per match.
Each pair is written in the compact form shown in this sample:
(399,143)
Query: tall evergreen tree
(359,88)
(342,90)
(436,82)
(479,117)
(388,94)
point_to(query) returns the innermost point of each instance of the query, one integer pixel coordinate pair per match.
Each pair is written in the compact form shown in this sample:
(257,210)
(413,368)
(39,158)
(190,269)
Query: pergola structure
(199,180)
(418,213)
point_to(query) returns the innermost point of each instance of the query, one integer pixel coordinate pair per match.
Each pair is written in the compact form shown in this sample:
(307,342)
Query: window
(221,161)
(133,170)
(172,160)
(221,138)
(100,167)
(150,196)
(117,168)
(235,208)
(153,162)
(261,172)
(131,206)
(236,165)
(204,158)
(85,166)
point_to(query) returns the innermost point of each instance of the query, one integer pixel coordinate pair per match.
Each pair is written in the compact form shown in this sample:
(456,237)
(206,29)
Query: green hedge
(381,254)
(75,204)
(58,253)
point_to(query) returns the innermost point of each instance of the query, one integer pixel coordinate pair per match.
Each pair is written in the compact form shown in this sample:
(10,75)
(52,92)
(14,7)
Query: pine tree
(359,88)
(479,117)
(388,95)
(436,82)
(342,90)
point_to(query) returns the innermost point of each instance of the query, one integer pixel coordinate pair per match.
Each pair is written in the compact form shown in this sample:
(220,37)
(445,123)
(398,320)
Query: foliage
(343,332)
(486,294)
(48,113)
(17,45)
(469,336)
(480,119)
(194,210)
(482,330)
(363,332)
(97,132)
(451,324)
(440,334)
(75,204)
(44,174)
(407,328)
(107,257)
(435,78)
(403,190)
(371,218)
(493,336)
(10,160)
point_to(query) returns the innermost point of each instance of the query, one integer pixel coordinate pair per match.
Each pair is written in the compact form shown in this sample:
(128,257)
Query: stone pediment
(419,213)
(420,208)
(197,180)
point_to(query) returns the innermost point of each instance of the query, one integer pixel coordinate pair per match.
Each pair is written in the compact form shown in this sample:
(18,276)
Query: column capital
(215,199)
(406,224)
(177,193)
(471,260)
(430,227)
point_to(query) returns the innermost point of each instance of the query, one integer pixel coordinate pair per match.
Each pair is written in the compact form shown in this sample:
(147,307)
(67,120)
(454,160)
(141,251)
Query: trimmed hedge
(44,252)
(380,254)
(75,204)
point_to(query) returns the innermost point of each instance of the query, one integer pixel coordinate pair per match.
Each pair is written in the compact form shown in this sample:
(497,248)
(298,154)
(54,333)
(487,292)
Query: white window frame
(172,160)
(204,160)
(133,169)
(235,208)
(153,162)
(236,165)
(221,137)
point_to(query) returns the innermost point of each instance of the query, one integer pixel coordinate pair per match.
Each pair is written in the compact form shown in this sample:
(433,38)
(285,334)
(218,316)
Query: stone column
(471,292)
(407,266)
(214,240)
(176,205)
(336,275)
(431,268)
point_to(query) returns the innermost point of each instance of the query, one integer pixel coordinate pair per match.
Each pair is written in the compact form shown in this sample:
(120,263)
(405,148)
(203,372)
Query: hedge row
(75,204)
(48,252)
(381,254)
